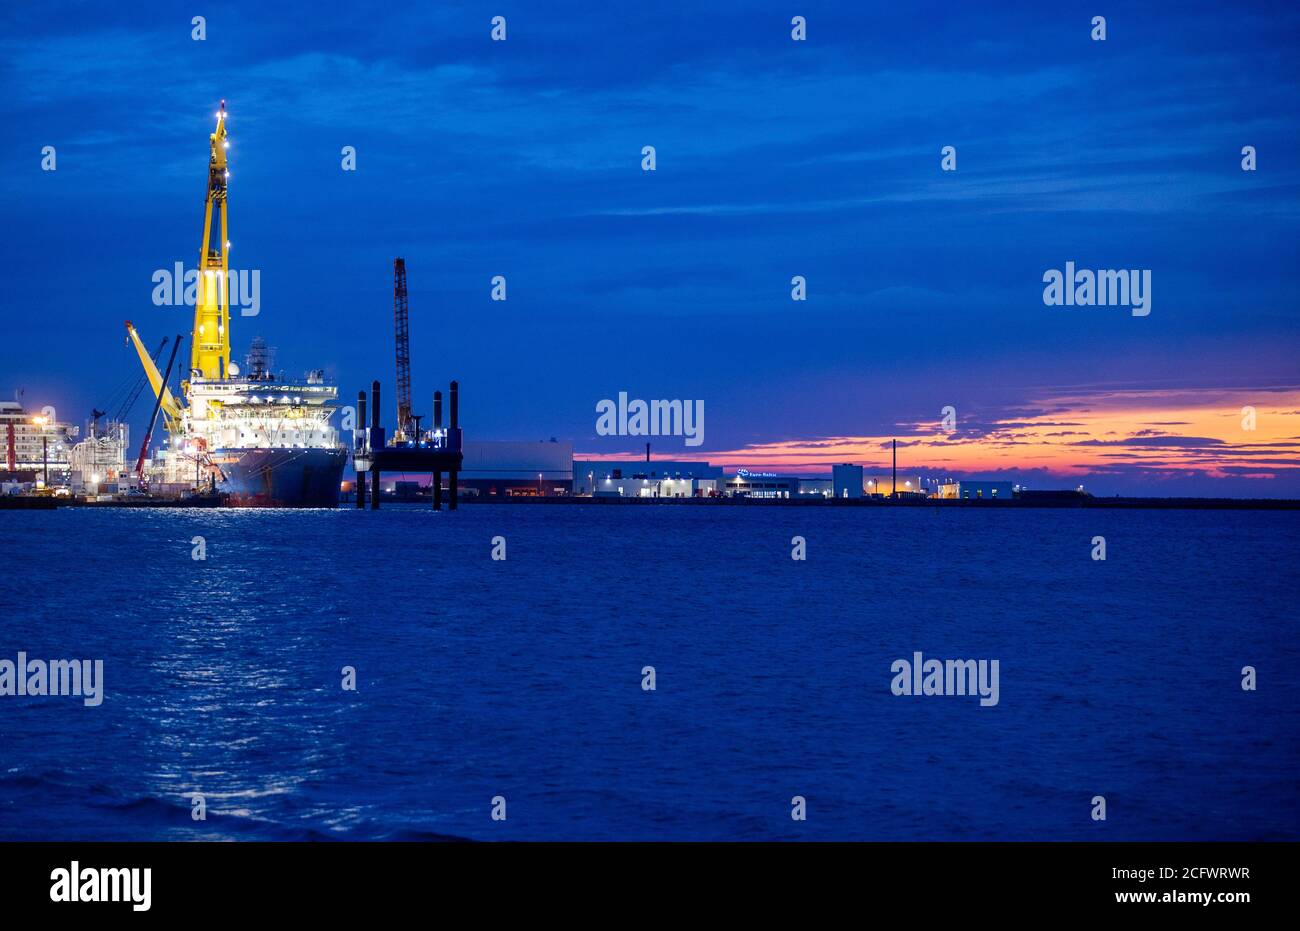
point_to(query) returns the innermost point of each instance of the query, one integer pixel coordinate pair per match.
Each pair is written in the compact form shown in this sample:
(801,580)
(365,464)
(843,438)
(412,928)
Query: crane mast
(210,345)
(401,321)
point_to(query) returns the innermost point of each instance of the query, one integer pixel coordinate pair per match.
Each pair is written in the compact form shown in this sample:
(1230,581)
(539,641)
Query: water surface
(522,678)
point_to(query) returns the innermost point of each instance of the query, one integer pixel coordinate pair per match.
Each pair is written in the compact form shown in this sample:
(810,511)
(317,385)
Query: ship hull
(281,478)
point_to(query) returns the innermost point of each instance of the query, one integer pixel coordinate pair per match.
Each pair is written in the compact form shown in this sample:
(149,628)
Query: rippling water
(522,678)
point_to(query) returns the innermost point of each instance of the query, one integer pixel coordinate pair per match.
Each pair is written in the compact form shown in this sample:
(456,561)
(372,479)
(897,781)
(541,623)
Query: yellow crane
(210,341)
(210,338)
(171,408)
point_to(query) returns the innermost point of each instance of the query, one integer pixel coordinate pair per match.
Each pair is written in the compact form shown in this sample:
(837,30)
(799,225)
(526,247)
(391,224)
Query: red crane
(153,418)
(402,325)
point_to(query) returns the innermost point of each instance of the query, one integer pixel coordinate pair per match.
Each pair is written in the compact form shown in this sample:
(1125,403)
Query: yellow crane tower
(210,339)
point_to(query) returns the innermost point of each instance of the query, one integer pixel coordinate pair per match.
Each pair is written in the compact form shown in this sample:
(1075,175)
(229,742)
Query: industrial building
(690,479)
(513,469)
(101,458)
(660,487)
(660,478)
(747,484)
(847,481)
(885,485)
(976,489)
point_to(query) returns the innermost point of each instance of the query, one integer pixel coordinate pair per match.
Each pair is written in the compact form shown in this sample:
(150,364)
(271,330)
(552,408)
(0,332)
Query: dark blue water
(522,678)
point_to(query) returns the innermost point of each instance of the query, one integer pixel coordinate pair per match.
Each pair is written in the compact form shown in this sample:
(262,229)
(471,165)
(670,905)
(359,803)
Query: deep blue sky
(775,158)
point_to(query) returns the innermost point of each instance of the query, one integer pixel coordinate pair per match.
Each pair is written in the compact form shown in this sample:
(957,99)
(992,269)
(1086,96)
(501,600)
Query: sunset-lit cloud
(1074,435)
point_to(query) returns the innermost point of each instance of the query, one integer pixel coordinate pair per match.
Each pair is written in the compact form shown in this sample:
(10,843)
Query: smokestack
(453,437)
(374,436)
(647,452)
(437,475)
(360,428)
(894,482)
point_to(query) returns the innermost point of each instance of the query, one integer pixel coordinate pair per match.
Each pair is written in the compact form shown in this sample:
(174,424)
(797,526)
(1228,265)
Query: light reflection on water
(522,678)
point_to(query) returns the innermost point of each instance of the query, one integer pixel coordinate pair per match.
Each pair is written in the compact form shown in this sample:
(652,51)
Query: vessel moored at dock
(261,438)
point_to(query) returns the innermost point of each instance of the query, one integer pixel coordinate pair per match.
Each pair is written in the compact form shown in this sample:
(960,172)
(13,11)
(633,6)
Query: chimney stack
(894,489)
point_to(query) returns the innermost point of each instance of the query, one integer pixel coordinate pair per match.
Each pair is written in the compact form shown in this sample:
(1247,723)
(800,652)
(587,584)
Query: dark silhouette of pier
(434,451)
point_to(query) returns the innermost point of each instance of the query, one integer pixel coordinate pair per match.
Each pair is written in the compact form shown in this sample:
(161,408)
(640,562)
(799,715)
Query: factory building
(100,458)
(847,481)
(631,478)
(678,477)
(976,489)
(747,484)
(512,469)
(883,485)
(643,487)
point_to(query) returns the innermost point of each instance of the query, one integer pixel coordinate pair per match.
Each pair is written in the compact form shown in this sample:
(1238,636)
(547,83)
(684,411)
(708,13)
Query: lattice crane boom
(402,327)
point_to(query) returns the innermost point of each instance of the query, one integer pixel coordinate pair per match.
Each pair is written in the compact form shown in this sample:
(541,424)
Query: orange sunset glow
(1205,431)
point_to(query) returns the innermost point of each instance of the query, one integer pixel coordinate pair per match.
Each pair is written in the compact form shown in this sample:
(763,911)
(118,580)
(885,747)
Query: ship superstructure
(263,438)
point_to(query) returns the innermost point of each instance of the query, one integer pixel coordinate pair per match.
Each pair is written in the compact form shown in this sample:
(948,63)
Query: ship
(259,437)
